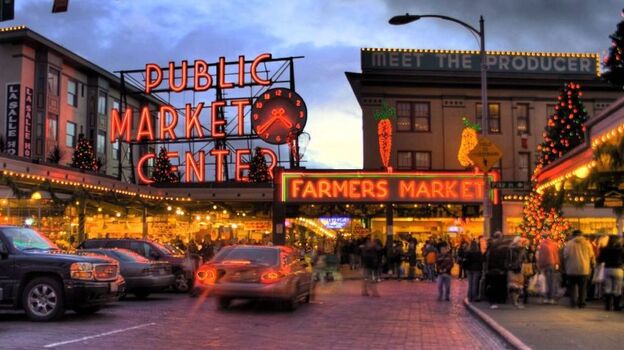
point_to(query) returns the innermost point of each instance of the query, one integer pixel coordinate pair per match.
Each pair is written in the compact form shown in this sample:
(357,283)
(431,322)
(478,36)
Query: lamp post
(407,18)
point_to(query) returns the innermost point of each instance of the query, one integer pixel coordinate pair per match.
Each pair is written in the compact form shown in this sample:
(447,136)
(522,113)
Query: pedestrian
(613,257)
(473,264)
(411,257)
(496,270)
(578,258)
(461,255)
(370,264)
(444,264)
(397,259)
(431,254)
(548,264)
(515,277)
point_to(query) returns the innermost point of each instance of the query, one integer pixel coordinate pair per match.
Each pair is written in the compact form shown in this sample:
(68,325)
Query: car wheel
(223,303)
(43,299)
(141,294)
(87,310)
(181,284)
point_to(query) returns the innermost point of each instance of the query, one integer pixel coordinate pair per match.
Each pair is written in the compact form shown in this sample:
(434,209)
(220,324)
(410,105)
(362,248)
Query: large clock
(277,114)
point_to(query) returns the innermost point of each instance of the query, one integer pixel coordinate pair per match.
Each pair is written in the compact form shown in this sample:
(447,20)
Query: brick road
(406,316)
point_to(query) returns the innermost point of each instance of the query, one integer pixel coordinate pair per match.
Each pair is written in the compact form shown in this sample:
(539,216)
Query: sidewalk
(558,326)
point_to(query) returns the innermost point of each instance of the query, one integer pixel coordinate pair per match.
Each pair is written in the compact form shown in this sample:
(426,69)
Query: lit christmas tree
(614,62)
(84,156)
(566,128)
(258,169)
(535,219)
(163,172)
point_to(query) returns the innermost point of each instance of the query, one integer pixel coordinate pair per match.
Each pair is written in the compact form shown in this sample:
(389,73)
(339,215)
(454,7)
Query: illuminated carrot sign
(380,187)
(384,132)
(205,121)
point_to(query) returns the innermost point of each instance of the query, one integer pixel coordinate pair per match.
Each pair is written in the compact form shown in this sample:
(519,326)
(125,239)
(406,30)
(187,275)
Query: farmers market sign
(381,187)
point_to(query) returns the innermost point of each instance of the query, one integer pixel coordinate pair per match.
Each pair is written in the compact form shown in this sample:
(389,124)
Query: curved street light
(407,18)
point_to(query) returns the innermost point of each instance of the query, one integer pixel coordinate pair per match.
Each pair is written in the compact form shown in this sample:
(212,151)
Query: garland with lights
(163,172)
(258,169)
(384,132)
(614,62)
(469,140)
(84,156)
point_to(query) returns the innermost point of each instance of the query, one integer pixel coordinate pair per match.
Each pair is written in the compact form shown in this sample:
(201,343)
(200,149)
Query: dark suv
(181,266)
(36,276)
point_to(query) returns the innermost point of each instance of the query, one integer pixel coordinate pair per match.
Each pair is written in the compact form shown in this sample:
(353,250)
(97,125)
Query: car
(142,276)
(183,268)
(255,272)
(37,277)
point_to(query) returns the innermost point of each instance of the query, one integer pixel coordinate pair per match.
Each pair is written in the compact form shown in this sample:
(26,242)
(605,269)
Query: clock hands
(277,115)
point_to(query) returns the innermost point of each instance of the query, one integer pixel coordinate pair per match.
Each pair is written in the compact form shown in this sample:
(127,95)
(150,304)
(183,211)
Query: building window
(53,82)
(116,105)
(413,116)
(422,160)
(404,160)
(522,119)
(52,127)
(102,102)
(115,150)
(70,135)
(494,121)
(72,93)
(524,166)
(101,142)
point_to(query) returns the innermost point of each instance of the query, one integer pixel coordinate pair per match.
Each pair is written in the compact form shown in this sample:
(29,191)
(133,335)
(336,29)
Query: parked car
(37,277)
(182,267)
(142,276)
(255,272)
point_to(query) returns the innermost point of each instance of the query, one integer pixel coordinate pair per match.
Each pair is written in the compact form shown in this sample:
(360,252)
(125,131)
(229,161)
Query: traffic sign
(485,154)
(509,185)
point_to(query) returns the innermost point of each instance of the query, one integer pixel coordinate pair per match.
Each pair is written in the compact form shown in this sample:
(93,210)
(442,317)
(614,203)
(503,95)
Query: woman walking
(612,257)
(473,264)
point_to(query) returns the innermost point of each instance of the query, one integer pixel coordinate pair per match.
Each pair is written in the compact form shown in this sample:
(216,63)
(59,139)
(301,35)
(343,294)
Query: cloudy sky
(126,34)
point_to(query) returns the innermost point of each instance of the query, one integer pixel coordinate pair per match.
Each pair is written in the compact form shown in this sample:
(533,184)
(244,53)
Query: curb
(507,336)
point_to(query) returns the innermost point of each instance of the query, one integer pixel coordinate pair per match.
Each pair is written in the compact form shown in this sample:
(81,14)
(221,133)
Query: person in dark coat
(411,256)
(613,257)
(473,265)
(370,264)
(496,270)
(397,259)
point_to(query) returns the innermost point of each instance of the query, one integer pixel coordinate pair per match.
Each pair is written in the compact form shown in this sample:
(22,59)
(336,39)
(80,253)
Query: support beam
(389,228)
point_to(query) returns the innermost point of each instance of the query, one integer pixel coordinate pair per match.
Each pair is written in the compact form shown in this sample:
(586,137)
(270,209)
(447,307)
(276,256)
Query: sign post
(485,155)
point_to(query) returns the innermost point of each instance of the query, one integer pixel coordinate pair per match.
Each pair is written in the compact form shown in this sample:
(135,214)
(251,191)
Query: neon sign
(381,187)
(335,222)
(205,120)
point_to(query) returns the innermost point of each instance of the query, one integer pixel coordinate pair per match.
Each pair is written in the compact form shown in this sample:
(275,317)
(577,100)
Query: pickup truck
(37,277)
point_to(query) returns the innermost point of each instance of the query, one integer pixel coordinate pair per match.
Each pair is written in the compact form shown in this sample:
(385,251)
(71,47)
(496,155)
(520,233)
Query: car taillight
(207,276)
(271,276)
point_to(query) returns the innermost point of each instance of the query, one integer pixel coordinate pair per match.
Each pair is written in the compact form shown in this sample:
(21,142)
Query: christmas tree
(535,219)
(163,172)
(84,156)
(258,169)
(566,128)
(614,63)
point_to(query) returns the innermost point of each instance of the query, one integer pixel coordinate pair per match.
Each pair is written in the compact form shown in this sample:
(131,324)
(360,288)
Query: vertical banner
(12,119)
(28,118)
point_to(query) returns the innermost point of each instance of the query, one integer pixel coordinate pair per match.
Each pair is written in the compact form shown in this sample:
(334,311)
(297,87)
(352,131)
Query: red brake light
(207,276)
(271,277)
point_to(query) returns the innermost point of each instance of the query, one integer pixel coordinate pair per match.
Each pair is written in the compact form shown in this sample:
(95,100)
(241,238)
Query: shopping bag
(532,287)
(542,288)
(599,274)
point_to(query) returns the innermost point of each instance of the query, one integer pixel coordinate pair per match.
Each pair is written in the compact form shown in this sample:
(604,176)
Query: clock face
(278,113)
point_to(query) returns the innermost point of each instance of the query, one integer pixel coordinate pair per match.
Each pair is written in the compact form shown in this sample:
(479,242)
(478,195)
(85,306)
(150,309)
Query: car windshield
(27,239)
(257,255)
(127,255)
(168,250)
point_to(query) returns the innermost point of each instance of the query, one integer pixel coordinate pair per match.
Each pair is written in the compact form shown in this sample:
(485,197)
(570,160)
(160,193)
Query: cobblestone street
(406,316)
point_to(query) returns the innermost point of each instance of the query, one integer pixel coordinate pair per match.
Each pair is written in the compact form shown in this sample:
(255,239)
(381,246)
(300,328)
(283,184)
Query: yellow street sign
(485,154)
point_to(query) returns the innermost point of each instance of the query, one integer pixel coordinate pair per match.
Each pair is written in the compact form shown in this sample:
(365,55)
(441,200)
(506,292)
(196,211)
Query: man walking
(578,257)
(548,263)
(444,264)
(370,264)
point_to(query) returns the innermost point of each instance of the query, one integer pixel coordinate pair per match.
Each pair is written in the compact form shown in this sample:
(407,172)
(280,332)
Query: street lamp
(407,18)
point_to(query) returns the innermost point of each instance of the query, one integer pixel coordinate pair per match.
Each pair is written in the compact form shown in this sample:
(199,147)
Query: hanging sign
(276,113)
(12,119)
(28,117)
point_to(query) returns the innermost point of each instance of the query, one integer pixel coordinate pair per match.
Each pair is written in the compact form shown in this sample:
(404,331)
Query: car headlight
(81,271)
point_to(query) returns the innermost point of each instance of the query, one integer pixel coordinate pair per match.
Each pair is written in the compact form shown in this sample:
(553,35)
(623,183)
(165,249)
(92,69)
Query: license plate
(114,287)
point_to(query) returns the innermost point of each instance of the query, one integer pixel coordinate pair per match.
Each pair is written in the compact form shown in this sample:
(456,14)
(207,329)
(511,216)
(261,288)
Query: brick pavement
(406,316)
(556,327)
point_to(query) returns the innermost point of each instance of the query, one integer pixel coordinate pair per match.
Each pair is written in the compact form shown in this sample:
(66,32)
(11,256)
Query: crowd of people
(501,269)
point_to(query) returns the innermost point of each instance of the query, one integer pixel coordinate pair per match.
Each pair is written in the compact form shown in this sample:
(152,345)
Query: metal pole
(487,212)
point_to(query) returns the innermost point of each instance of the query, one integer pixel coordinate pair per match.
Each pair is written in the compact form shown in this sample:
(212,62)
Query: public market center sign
(587,64)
